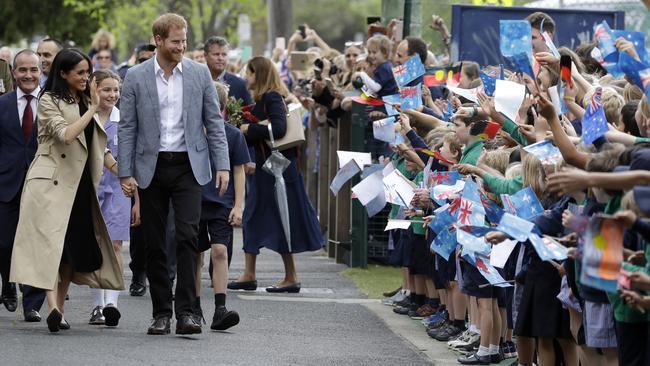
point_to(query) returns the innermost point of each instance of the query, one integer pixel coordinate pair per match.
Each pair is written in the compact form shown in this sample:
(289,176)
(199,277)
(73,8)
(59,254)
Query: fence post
(359,245)
(323,178)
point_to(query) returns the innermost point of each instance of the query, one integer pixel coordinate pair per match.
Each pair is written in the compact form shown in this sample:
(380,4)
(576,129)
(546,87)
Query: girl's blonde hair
(629,203)
(498,159)
(103,34)
(632,92)
(514,170)
(533,173)
(266,78)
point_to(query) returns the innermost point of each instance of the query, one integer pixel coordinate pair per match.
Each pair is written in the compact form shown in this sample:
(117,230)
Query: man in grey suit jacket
(170,127)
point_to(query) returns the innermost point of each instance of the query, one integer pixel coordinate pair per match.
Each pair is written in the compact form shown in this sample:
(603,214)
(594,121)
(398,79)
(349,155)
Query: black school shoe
(449,333)
(244,285)
(111,315)
(224,319)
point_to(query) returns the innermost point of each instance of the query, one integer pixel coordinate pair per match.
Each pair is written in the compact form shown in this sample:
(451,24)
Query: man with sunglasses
(142,53)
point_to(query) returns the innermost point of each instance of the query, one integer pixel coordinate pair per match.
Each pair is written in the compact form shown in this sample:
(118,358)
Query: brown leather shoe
(186,325)
(159,326)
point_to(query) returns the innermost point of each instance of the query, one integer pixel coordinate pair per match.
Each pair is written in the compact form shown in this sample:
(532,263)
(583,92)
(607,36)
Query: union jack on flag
(594,103)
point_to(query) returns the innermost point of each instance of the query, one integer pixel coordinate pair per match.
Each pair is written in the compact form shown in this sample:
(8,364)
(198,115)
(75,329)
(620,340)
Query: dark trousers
(632,339)
(173,179)
(138,253)
(9,212)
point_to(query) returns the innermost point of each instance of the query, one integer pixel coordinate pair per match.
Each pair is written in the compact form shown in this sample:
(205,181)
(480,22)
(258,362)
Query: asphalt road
(328,323)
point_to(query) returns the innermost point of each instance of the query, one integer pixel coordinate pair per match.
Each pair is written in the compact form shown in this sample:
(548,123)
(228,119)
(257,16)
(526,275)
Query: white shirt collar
(20,93)
(158,69)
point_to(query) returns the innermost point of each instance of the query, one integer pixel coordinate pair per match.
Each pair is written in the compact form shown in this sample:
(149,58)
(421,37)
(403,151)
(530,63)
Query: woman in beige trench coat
(61,235)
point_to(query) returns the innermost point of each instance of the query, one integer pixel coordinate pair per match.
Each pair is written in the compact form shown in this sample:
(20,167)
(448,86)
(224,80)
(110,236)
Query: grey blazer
(139,128)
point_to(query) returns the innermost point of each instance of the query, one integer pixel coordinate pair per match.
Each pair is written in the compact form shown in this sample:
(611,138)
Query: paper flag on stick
(603,34)
(491,130)
(440,192)
(409,71)
(603,252)
(548,249)
(526,204)
(637,39)
(489,83)
(445,243)
(389,103)
(442,219)
(411,97)
(545,151)
(472,243)
(349,170)
(441,75)
(515,36)
(508,97)
(515,227)
(364,99)
(632,68)
(490,273)
(594,121)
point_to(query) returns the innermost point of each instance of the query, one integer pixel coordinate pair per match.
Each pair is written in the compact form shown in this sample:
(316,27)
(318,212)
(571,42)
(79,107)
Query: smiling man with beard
(170,127)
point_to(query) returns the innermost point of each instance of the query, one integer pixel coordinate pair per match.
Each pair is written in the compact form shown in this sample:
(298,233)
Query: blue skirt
(262,224)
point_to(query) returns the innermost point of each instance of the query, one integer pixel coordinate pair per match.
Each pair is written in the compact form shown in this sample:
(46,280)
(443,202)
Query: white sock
(494,349)
(483,351)
(474,329)
(111,297)
(98,297)
(407,292)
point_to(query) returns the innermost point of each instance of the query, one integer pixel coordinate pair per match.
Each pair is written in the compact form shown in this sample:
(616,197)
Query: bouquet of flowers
(234,111)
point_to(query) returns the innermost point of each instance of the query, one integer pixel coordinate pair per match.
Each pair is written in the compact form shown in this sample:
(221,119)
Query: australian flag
(545,151)
(389,101)
(526,204)
(490,273)
(548,249)
(409,71)
(489,83)
(472,243)
(515,227)
(410,97)
(492,210)
(445,243)
(471,211)
(603,33)
(447,178)
(442,219)
(594,122)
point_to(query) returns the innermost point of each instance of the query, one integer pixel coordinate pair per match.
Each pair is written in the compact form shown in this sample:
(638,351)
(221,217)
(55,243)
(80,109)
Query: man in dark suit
(18,140)
(216,56)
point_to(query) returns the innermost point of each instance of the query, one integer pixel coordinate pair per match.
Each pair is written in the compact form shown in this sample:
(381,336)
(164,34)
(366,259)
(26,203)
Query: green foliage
(336,21)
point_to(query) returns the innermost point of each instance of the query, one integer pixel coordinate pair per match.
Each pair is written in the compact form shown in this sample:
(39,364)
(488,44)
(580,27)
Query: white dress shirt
(170,99)
(22,102)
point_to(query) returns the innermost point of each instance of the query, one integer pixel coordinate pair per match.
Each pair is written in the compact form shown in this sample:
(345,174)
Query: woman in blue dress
(115,206)
(262,224)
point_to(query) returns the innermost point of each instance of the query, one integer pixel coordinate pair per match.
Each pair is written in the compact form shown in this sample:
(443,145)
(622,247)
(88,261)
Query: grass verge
(375,280)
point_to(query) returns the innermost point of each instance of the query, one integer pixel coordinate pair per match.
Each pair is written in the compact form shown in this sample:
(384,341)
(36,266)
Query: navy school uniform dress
(262,224)
(215,210)
(540,313)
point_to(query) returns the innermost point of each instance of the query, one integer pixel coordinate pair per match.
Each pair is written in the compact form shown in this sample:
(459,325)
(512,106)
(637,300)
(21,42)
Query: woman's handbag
(295,135)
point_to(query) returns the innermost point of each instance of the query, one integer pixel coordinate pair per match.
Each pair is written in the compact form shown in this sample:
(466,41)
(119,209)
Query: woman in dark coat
(262,224)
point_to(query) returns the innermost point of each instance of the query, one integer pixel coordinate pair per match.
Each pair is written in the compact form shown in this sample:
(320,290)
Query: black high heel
(54,321)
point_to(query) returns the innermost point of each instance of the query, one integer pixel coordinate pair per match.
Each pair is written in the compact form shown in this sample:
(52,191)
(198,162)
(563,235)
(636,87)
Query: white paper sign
(508,97)
(397,224)
(344,174)
(384,129)
(362,158)
(501,252)
(399,190)
(369,188)
(388,168)
(469,94)
(555,98)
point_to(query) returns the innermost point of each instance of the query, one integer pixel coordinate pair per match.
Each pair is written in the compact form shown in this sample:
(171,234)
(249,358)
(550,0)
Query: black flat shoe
(54,321)
(244,285)
(292,289)
(64,325)
(111,315)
